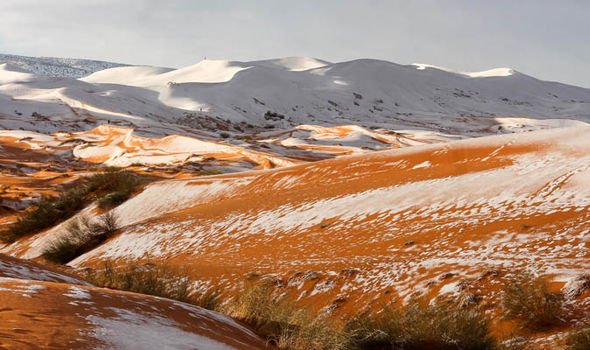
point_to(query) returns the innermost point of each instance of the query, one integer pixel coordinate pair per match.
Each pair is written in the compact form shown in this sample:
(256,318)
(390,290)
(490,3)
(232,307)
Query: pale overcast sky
(544,38)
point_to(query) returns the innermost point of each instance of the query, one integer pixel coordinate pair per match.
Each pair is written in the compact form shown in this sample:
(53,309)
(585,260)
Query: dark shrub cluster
(112,186)
(47,213)
(115,186)
(274,116)
(81,236)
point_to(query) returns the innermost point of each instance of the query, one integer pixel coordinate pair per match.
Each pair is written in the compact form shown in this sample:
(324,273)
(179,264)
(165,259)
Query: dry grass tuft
(527,299)
(149,279)
(162,281)
(579,340)
(82,235)
(282,323)
(421,326)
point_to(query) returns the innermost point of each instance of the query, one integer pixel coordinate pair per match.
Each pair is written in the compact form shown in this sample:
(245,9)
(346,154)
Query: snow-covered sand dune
(45,309)
(366,92)
(374,225)
(282,93)
(444,183)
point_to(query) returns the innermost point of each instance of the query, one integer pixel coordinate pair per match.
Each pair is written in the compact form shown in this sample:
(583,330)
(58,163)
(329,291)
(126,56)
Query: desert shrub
(527,299)
(67,247)
(579,340)
(274,116)
(158,280)
(81,236)
(162,281)
(255,305)
(310,333)
(383,330)
(113,199)
(421,325)
(281,322)
(106,226)
(46,213)
(114,185)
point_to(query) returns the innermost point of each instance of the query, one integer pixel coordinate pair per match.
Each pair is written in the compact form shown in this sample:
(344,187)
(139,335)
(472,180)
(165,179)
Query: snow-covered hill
(44,309)
(362,91)
(421,198)
(57,67)
(454,219)
(287,92)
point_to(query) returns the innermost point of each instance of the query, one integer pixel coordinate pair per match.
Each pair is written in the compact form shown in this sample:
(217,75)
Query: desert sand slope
(11,267)
(453,219)
(40,309)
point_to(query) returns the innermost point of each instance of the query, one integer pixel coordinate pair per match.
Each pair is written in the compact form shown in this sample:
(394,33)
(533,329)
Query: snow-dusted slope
(283,93)
(45,310)
(380,225)
(57,67)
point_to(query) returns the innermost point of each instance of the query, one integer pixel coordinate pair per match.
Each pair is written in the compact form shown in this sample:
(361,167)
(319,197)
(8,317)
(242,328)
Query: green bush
(527,299)
(421,325)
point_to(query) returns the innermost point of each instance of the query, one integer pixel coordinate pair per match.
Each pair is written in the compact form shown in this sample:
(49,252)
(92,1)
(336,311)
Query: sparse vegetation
(444,325)
(116,184)
(67,247)
(114,187)
(274,116)
(282,323)
(579,340)
(149,279)
(527,299)
(421,325)
(162,281)
(46,213)
(81,236)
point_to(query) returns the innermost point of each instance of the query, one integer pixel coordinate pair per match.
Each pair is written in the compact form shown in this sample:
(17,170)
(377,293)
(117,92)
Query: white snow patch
(425,164)
(76,292)
(131,330)
(26,288)
(495,72)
